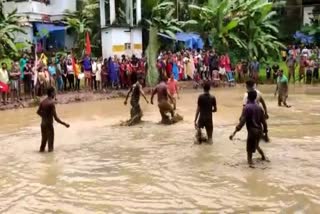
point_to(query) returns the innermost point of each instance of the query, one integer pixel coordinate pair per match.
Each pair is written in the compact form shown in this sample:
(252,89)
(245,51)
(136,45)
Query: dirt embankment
(65,98)
(82,96)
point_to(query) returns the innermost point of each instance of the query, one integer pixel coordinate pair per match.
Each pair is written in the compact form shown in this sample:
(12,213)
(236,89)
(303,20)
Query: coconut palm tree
(9,25)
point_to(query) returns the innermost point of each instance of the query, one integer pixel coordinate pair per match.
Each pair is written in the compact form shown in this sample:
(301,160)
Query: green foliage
(9,25)
(85,19)
(8,61)
(247,25)
(161,20)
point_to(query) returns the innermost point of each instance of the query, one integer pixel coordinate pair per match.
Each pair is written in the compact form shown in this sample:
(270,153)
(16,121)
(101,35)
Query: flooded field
(100,167)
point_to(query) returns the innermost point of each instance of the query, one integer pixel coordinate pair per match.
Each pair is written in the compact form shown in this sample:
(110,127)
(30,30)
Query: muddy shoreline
(66,98)
(78,97)
(86,96)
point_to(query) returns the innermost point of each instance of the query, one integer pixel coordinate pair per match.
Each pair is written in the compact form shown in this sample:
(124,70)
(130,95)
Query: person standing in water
(282,89)
(251,86)
(136,112)
(206,106)
(254,119)
(163,101)
(47,112)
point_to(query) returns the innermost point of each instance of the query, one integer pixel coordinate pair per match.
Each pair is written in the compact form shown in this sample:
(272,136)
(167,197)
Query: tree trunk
(152,51)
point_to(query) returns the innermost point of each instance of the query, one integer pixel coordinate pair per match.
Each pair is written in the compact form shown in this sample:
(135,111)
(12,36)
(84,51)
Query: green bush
(7,61)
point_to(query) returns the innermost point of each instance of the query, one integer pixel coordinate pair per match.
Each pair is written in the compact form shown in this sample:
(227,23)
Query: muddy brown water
(100,167)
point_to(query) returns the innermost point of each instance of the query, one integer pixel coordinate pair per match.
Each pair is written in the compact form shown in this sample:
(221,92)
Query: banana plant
(162,20)
(85,19)
(9,26)
(220,19)
(259,29)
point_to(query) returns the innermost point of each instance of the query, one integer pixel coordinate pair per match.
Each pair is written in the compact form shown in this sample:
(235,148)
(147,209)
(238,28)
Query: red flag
(74,64)
(88,44)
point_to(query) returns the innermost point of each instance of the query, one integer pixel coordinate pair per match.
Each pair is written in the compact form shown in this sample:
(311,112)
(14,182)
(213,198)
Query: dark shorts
(205,123)
(253,139)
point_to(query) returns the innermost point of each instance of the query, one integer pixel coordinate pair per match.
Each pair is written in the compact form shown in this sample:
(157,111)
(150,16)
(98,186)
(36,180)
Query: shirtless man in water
(254,118)
(136,112)
(207,105)
(47,112)
(163,101)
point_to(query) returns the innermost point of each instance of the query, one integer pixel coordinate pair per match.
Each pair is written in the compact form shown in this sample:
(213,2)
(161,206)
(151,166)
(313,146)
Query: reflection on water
(100,167)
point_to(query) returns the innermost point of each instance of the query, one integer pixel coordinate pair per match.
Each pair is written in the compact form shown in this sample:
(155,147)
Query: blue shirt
(52,70)
(87,64)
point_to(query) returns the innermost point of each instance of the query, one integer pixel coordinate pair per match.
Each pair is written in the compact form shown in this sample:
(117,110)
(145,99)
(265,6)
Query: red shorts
(4,88)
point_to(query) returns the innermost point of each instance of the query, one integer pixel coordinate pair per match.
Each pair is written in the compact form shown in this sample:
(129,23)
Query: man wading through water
(163,102)
(136,112)
(282,89)
(206,106)
(47,111)
(251,86)
(254,118)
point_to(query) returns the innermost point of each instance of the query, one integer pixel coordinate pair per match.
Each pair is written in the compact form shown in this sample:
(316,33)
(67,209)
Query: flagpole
(35,70)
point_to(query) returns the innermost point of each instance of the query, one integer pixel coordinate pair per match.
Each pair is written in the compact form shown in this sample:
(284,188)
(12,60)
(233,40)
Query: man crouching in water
(136,112)
(47,111)
(254,118)
(163,102)
(206,106)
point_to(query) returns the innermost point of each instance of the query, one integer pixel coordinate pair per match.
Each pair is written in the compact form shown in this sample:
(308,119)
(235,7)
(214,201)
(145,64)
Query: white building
(307,14)
(43,17)
(120,30)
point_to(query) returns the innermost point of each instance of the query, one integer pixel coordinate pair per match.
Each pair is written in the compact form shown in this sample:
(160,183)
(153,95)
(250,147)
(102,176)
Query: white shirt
(70,69)
(94,67)
(98,74)
(4,76)
(245,97)
(306,52)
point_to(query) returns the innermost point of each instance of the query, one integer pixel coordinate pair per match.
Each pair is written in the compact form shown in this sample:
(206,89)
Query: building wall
(106,42)
(28,37)
(307,14)
(35,10)
(69,41)
(119,41)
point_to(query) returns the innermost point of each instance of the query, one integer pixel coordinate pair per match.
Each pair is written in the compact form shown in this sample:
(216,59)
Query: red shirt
(169,69)
(222,62)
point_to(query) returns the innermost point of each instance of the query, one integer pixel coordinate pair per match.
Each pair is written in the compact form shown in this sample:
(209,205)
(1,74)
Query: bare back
(47,111)
(162,92)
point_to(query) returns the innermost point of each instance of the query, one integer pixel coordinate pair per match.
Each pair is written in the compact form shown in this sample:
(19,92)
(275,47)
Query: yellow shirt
(44,59)
(77,70)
